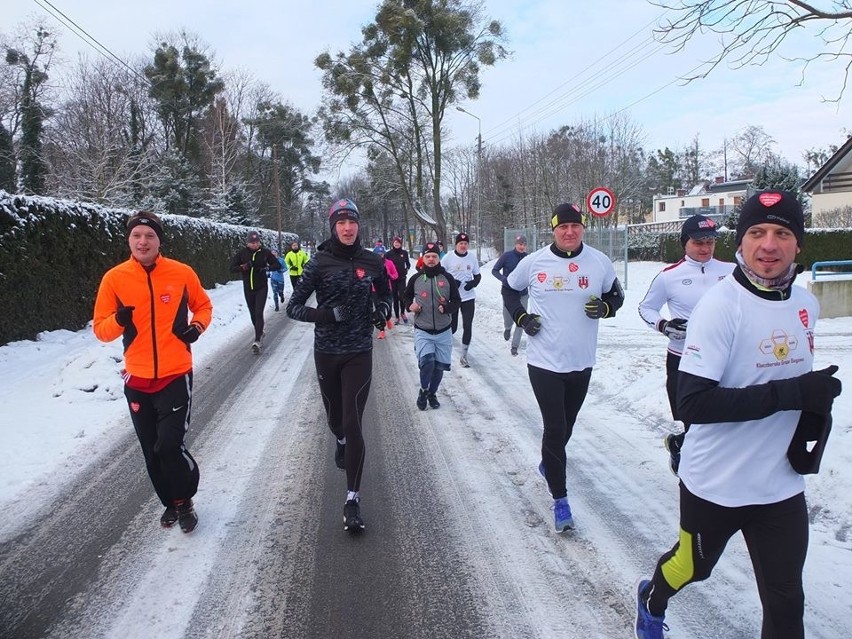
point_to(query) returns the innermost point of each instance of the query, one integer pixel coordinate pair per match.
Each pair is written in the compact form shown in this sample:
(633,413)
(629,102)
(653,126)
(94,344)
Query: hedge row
(53,254)
(819,245)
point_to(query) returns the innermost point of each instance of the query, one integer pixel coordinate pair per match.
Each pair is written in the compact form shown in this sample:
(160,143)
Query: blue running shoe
(647,625)
(562,514)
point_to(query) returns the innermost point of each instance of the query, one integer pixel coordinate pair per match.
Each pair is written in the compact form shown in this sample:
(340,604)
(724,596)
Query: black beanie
(431,247)
(462,237)
(772,207)
(697,227)
(145,218)
(565,214)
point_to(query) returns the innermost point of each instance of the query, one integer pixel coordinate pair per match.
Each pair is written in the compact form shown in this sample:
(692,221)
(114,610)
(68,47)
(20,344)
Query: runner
(571,286)
(464,269)
(432,296)
(252,262)
(679,287)
(343,275)
(159,308)
(747,388)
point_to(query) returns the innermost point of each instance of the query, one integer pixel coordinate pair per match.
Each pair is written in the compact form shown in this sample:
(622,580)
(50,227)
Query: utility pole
(478,183)
(277,192)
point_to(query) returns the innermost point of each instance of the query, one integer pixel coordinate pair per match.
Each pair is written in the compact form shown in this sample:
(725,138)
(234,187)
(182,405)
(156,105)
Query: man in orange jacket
(147,301)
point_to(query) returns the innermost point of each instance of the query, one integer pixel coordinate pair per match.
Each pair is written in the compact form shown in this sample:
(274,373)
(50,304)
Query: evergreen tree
(7,161)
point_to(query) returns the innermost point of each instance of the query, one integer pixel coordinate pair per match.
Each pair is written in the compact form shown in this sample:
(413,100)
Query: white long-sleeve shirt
(680,286)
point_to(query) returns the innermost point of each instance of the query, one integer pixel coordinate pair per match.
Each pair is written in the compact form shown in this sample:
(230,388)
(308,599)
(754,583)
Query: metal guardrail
(816,273)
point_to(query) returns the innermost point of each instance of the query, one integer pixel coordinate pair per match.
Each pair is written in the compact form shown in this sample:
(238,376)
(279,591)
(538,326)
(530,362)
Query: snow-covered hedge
(53,254)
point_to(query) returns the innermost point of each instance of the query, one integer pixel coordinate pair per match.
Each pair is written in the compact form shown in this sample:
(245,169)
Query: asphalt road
(288,569)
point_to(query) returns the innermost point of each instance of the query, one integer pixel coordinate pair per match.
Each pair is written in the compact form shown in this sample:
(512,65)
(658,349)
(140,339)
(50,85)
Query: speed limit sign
(600,201)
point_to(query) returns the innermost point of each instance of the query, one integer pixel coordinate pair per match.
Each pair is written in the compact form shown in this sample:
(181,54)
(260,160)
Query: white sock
(352,494)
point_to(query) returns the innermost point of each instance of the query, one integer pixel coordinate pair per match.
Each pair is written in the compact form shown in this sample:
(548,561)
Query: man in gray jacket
(433,296)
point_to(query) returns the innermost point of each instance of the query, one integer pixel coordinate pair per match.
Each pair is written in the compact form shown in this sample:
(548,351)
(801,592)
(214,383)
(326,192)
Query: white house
(831,186)
(714,199)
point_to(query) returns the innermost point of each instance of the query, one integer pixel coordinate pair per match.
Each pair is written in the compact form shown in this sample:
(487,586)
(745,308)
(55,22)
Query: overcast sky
(570,61)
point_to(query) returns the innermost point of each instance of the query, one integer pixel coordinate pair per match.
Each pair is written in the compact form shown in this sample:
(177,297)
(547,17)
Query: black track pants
(397,289)
(777,539)
(256,302)
(467,310)
(560,397)
(161,420)
(344,382)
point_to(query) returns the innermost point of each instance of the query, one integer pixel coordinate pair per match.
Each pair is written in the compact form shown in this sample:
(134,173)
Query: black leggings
(776,536)
(397,289)
(256,302)
(161,420)
(467,309)
(294,279)
(560,397)
(344,382)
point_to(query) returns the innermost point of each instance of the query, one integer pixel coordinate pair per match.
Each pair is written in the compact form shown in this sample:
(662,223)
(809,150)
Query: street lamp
(478,183)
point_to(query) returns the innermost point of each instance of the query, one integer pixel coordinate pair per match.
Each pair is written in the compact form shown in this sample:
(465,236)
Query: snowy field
(63,405)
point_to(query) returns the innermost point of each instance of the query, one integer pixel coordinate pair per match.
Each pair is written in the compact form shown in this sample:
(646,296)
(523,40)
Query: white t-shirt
(739,339)
(559,288)
(462,268)
(680,286)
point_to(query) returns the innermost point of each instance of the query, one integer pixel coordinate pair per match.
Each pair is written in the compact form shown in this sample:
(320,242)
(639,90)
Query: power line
(86,37)
(583,71)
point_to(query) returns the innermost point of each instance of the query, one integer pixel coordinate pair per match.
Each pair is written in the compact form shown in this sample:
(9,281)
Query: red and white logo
(541,277)
(165,298)
(583,281)
(135,406)
(360,273)
(423,294)
(803,317)
(769,198)
(573,267)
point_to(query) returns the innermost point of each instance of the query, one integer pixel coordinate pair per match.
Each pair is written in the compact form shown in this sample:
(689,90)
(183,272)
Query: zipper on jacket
(153,327)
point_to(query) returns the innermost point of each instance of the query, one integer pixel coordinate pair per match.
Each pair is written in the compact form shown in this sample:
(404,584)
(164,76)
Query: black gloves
(191,334)
(596,308)
(245,266)
(380,315)
(469,285)
(331,315)
(813,392)
(818,389)
(530,322)
(673,328)
(124,315)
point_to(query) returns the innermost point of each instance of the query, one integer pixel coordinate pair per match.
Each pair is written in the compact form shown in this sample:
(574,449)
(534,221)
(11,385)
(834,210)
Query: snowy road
(459,539)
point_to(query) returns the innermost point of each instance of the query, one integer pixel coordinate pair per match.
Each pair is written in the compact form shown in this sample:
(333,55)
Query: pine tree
(7,161)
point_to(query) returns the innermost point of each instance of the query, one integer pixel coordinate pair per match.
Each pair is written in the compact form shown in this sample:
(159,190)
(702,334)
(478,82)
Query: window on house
(705,202)
(661,207)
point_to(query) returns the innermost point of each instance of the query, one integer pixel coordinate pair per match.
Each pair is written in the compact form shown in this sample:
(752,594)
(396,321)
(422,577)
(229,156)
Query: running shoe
(647,625)
(562,515)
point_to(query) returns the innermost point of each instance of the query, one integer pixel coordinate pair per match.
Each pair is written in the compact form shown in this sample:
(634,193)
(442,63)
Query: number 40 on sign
(600,201)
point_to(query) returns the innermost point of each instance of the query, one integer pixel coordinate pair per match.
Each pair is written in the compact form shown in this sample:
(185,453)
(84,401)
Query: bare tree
(752,31)
(752,148)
